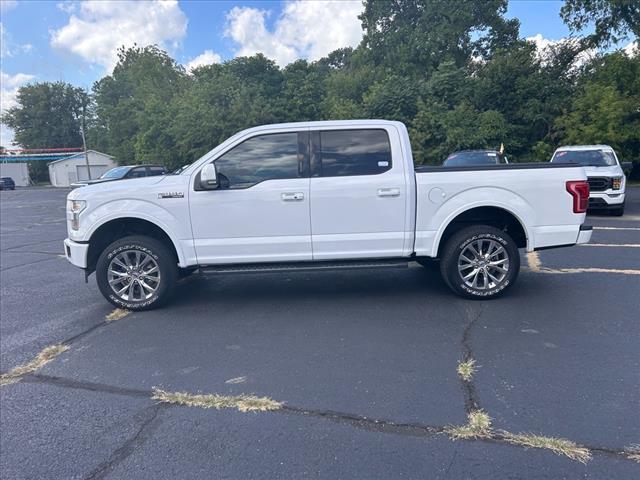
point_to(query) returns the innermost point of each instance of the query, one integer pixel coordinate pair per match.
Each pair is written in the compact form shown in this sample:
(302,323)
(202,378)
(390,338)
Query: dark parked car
(125,172)
(7,183)
(474,157)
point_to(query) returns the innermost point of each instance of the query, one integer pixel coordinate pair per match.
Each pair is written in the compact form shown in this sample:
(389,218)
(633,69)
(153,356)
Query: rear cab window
(339,153)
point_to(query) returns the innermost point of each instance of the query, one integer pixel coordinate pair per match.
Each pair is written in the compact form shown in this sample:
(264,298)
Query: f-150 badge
(171,195)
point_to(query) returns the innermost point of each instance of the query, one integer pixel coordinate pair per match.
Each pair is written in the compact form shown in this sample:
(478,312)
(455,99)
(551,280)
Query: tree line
(456,73)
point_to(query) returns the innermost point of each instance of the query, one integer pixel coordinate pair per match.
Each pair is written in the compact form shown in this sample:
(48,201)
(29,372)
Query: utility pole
(84,141)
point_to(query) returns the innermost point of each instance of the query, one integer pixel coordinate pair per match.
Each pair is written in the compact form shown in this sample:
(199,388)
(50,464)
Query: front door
(358,194)
(260,211)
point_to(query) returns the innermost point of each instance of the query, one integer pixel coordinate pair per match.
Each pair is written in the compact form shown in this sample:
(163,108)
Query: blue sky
(75,41)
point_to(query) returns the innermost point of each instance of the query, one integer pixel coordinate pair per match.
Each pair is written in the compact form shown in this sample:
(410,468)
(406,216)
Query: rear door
(260,212)
(358,193)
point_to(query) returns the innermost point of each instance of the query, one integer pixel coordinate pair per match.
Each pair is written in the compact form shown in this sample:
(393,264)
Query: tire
(457,252)
(617,211)
(153,280)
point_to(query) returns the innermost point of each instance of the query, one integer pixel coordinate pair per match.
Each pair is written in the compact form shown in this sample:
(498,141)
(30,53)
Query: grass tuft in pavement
(467,369)
(559,446)
(117,314)
(632,452)
(478,426)
(243,403)
(44,357)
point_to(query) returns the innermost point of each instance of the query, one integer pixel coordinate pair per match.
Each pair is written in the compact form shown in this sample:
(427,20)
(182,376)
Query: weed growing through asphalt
(478,426)
(117,314)
(632,452)
(560,446)
(243,403)
(44,357)
(467,369)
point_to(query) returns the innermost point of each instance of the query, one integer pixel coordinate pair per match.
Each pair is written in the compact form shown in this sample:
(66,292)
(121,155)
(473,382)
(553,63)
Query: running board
(303,266)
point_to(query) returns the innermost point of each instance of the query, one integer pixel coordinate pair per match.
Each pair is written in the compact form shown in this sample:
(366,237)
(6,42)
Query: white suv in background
(604,171)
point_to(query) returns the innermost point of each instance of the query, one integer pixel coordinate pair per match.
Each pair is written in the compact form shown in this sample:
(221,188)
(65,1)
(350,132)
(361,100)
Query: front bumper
(584,235)
(605,199)
(76,252)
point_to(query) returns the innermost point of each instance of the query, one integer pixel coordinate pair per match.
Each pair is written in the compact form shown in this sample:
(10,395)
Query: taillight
(579,190)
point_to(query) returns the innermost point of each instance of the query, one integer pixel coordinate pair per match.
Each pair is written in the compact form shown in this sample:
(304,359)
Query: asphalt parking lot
(364,365)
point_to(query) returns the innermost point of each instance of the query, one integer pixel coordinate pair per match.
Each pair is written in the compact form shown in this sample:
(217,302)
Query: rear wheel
(480,262)
(137,273)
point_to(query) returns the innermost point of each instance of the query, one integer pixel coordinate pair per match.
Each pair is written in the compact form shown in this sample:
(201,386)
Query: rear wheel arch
(494,216)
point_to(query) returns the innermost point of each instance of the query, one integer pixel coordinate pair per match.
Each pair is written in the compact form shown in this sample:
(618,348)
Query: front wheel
(137,273)
(480,262)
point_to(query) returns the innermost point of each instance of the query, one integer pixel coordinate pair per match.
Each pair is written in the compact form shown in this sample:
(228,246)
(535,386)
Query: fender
(178,231)
(482,197)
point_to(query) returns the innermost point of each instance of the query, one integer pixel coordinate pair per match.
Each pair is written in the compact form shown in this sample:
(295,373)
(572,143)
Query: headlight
(616,183)
(74,207)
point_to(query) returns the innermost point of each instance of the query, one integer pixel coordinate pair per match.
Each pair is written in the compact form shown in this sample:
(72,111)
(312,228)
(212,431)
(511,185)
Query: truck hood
(612,171)
(113,187)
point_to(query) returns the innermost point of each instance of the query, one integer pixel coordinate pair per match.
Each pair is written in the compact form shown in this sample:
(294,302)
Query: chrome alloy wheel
(483,264)
(133,275)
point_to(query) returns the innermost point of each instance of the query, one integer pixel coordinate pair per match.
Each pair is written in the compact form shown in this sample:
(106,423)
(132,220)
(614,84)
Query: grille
(599,184)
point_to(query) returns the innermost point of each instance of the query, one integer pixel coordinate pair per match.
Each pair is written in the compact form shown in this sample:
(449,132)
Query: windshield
(117,172)
(459,159)
(586,158)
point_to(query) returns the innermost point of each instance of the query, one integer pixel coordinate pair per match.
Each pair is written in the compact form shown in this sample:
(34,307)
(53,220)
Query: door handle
(388,192)
(292,197)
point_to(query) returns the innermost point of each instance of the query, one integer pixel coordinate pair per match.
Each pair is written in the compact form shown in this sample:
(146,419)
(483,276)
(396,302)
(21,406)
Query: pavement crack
(28,263)
(84,385)
(365,423)
(471,401)
(148,425)
(356,421)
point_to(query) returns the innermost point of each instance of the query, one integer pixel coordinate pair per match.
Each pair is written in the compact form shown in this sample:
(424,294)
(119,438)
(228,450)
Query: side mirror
(209,177)
(627,166)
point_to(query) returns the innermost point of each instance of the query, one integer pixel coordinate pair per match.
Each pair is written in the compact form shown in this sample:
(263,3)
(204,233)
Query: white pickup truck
(319,196)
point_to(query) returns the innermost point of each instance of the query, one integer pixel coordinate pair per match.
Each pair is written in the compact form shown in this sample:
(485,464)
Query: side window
(137,172)
(153,171)
(341,153)
(260,158)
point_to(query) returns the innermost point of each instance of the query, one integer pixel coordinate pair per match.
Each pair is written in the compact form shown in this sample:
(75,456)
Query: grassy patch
(633,452)
(478,426)
(559,446)
(467,369)
(44,357)
(117,314)
(244,403)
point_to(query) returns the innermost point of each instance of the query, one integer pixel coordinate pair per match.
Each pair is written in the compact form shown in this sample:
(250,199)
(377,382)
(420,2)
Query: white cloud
(631,50)
(545,49)
(9,85)
(8,48)
(67,6)
(100,28)
(304,29)
(205,58)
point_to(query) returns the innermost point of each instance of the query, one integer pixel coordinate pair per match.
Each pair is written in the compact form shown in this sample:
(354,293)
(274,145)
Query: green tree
(612,19)
(606,107)
(415,36)
(47,115)
(132,104)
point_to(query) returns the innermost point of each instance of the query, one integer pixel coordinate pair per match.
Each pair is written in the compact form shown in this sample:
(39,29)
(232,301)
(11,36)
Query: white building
(16,170)
(65,171)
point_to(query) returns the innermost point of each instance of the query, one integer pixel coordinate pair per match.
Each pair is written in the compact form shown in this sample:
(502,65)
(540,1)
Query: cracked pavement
(364,361)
